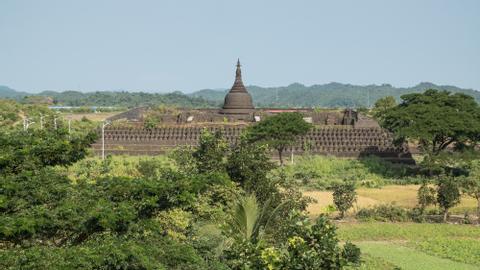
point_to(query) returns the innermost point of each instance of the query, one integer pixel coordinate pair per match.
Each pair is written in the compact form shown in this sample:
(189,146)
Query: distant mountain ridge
(7,92)
(294,95)
(328,95)
(112,98)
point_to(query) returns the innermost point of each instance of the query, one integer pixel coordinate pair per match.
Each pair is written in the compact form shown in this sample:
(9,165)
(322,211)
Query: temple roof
(238,100)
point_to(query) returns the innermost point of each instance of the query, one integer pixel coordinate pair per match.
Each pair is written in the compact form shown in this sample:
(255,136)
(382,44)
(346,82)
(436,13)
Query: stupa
(238,100)
(343,133)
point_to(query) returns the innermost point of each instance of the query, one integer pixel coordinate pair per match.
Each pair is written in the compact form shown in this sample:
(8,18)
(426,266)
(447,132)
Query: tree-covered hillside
(7,92)
(328,95)
(126,99)
(110,98)
(294,95)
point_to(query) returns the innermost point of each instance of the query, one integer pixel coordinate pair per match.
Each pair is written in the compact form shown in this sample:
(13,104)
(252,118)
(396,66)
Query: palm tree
(250,219)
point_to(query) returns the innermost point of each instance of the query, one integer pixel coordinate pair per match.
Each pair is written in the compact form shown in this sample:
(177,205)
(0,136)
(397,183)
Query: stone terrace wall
(341,141)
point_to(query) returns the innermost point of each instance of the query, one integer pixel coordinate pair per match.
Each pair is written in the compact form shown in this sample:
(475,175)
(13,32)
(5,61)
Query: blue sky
(162,46)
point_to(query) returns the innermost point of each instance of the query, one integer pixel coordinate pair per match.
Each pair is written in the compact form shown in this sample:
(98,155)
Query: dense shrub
(107,252)
(308,246)
(384,212)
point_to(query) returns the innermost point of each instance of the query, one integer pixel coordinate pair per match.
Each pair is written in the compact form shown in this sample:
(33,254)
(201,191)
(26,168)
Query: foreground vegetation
(384,245)
(206,208)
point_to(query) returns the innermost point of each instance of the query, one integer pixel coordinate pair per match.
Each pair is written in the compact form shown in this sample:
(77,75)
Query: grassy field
(415,245)
(408,258)
(321,172)
(401,195)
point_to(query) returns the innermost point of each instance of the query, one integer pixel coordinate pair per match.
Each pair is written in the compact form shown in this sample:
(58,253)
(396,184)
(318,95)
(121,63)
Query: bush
(351,253)
(425,196)
(385,212)
(344,196)
(309,246)
(107,252)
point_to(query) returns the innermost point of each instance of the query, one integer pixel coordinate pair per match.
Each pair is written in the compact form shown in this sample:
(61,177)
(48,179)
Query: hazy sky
(163,46)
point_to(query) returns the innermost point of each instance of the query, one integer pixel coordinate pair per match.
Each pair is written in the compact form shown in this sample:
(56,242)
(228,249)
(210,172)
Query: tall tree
(280,131)
(436,120)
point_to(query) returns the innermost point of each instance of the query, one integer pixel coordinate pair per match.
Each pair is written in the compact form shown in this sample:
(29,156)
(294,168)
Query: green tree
(210,152)
(279,131)
(248,164)
(9,113)
(425,196)
(435,119)
(382,106)
(471,183)
(36,149)
(448,194)
(344,196)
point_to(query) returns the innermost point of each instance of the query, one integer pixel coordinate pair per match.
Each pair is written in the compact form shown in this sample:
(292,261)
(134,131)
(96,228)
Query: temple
(343,133)
(238,100)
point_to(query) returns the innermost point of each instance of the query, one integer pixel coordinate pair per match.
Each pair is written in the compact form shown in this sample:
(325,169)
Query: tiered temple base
(341,141)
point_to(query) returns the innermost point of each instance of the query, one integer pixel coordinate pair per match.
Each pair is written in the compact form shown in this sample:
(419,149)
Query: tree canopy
(436,120)
(279,131)
(29,150)
(382,106)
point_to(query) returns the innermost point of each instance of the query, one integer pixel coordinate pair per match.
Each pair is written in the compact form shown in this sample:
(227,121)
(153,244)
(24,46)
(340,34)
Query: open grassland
(415,245)
(401,195)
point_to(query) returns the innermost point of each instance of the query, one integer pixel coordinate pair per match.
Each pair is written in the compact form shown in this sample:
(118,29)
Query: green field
(415,245)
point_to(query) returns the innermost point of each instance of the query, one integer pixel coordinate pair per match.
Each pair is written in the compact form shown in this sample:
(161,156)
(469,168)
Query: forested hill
(294,95)
(7,92)
(327,95)
(109,98)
